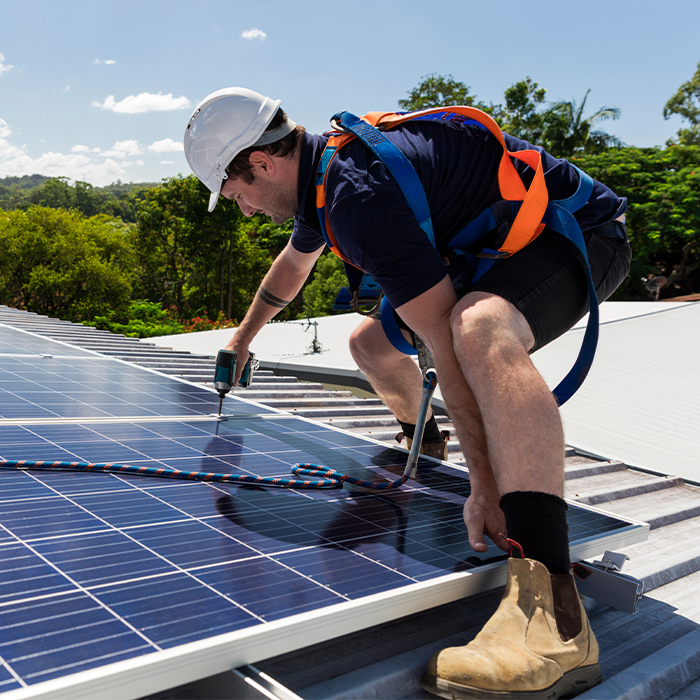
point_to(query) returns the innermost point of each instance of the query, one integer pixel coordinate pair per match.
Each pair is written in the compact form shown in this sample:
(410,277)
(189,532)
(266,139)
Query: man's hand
(242,353)
(483,516)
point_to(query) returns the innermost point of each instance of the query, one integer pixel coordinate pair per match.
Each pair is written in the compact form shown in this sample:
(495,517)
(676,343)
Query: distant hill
(24,182)
(117,199)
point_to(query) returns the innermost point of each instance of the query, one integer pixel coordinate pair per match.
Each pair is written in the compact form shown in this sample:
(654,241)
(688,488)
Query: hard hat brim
(213,199)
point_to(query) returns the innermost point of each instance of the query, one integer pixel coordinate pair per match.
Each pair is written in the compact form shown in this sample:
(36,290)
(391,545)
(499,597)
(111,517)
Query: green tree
(686,103)
(438,91)
(115,200)
(328,277)
(663,190)
(197,261)
(566,131)
(522,114)
(63,264)
(146,319)
(55,193)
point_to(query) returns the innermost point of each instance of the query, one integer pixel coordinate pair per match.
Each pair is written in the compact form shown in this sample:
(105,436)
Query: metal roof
(641,400)
(655,653)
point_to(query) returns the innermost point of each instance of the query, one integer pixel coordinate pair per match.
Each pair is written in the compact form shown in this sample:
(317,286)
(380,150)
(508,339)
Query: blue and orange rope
(332,479)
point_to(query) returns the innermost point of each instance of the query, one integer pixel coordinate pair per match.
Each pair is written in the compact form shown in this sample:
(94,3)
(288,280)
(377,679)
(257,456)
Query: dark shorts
(546,281)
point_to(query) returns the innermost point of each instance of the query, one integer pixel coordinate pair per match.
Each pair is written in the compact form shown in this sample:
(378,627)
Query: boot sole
(571,684)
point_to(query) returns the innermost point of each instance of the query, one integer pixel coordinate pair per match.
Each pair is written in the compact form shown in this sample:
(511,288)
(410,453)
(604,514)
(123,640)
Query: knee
(489,330)
(473,332)
(363,345)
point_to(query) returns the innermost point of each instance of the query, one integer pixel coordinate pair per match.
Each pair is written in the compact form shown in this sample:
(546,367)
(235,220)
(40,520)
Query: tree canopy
(63,264)
(561,127)
(437,91)
(686,103)
(117,199)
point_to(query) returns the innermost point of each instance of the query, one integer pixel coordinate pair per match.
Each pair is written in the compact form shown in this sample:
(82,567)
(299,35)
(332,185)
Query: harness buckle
(360,304)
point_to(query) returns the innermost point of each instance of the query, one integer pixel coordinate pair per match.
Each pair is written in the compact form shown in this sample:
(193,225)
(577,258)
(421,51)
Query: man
(242,146)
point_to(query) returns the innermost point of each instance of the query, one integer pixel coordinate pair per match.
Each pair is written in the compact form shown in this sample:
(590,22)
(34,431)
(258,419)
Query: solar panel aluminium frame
(158,671)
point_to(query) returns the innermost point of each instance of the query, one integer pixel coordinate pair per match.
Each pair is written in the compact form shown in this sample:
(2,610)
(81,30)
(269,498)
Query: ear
(263,164)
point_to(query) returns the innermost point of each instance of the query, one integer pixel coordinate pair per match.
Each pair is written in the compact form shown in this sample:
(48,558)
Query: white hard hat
(221,126)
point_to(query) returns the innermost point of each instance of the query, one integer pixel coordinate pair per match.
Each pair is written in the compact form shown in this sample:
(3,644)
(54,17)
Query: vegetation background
(148,259)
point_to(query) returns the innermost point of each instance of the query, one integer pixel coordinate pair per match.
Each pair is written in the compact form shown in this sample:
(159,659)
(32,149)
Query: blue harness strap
(558,216)
(396,163)
(392,330)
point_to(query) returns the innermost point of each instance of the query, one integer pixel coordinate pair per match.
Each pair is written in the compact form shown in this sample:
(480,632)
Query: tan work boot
(538,644)
(429,449)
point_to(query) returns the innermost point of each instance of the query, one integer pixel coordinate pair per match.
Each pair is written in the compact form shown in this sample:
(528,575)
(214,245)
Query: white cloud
(77,165)
(166,146)
(4,67)
(167,162)
(74,166)
(253,34)
(122,149)
(144,102)
(108,62)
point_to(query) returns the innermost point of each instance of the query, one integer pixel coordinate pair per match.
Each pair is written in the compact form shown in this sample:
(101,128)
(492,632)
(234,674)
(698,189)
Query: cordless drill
(225,372)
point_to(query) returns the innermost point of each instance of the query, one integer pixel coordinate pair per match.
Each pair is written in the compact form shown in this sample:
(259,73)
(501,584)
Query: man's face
(268,194)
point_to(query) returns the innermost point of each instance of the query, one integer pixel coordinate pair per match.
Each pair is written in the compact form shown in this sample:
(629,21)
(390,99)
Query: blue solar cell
(44,639)
(175,610)
(125,508)
(190,543)
(26,575)
(46,517)
(344,572)
(13,341)
(15,434)
(7,680)
(269,589)
(101,557)
(99,387)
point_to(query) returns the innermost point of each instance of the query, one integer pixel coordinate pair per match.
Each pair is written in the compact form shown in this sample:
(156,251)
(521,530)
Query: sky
(101,91)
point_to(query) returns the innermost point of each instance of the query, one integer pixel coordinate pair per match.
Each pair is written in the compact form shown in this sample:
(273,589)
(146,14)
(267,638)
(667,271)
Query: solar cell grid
(56,387)
(13,341)
(98,568)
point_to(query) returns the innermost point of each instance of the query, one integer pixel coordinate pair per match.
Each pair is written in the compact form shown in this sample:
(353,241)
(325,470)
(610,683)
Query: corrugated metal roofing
(641,400)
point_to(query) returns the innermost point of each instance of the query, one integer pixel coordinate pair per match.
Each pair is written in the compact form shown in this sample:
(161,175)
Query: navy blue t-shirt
(458,166)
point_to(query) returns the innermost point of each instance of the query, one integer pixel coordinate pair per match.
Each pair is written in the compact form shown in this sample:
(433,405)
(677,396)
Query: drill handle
(225,371)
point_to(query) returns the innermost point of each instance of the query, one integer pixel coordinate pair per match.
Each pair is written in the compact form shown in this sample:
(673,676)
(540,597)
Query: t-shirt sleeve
(304,238)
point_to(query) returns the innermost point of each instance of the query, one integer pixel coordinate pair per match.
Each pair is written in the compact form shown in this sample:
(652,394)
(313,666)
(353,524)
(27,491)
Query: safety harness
(517,220)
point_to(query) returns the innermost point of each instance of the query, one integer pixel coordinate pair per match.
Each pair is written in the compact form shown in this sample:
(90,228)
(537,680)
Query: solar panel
(14,340)
(104,575)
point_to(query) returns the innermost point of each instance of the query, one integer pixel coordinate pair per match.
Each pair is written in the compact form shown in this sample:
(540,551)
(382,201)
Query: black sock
(430,434)
(537,522)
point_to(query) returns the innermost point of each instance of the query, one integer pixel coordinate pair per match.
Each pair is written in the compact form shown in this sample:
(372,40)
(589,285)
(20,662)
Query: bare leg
(393,375)
(523,426)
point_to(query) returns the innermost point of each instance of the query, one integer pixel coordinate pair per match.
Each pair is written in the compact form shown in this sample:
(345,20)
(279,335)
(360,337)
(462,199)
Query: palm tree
(567,132)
